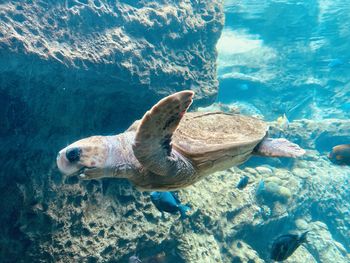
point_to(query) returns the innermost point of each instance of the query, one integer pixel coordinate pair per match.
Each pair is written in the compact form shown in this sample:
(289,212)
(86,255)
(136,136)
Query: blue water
(288,51)
(274,58)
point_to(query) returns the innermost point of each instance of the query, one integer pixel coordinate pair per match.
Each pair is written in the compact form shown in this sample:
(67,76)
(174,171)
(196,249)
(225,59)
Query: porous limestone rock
(323,246)
(118,48)
(198,248)
(301,255)
(319,135)
(242,252)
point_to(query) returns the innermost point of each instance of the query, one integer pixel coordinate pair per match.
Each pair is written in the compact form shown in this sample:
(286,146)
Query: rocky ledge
(64,59)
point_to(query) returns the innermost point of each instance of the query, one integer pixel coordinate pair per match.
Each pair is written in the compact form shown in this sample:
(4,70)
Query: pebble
(301,173)
(264,170)
(301,224)
(250,170)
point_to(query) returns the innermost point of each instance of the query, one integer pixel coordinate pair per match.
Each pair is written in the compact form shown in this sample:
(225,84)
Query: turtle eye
(73,154)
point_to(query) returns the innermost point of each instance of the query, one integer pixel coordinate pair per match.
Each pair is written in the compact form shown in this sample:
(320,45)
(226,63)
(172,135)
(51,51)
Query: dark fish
(134,259)
(340,154)
(169,202)
(285,245)
(260,188)
(243,183)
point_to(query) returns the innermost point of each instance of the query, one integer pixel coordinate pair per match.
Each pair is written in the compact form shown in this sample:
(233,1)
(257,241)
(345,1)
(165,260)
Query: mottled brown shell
(217,139)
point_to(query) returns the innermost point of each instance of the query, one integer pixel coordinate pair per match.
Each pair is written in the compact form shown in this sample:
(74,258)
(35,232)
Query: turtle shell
(216,140)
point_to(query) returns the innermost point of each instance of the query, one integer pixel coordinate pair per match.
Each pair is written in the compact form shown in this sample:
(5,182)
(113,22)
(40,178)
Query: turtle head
(83,155)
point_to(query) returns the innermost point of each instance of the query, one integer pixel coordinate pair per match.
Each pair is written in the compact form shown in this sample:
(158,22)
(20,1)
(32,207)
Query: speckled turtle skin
(170,148)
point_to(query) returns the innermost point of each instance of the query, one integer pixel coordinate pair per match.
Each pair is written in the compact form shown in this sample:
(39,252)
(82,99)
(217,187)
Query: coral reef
(272,189)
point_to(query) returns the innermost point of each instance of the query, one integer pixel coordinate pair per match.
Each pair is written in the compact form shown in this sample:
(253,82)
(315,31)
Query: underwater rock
(301,255)
(218,106)
(198,248)
(274,179)
(322,245)
(106,226)
(121,49)
(321,135)
(264,170)
(73,68)
(234,108)
(272,190)
(242,252)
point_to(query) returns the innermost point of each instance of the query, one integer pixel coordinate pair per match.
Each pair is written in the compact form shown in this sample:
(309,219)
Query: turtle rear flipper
(152,146)
(278,147)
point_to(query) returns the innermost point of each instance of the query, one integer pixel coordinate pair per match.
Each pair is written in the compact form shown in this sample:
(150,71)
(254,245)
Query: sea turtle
(170,148)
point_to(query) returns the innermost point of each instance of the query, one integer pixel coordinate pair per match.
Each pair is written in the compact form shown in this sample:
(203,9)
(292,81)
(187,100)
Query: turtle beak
(83,155)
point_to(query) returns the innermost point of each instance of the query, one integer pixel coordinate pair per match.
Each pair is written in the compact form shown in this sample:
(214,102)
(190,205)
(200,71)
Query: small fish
(340,154)
(283,122)
(243,183)
(169,202)
(285,245)
(134,259)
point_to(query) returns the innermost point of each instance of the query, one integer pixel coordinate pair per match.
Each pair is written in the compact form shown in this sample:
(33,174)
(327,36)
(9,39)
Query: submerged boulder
(103,63)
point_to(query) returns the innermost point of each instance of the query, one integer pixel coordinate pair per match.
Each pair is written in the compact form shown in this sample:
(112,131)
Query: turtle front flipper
(278,147)
(152,146)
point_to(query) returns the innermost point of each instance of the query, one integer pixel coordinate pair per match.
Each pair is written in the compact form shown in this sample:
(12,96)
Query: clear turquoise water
(294,52)
(274,57)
